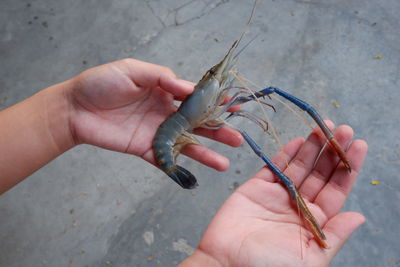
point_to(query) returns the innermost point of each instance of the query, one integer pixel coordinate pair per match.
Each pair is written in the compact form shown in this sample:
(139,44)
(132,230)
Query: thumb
(339,229)
(150,75)
(176,86)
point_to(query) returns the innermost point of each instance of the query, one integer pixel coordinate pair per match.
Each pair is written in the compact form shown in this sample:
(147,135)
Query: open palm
(260,226)
(119,106)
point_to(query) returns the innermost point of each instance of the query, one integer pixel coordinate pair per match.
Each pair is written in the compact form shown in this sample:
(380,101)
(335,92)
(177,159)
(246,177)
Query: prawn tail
(182,176)
(170,138)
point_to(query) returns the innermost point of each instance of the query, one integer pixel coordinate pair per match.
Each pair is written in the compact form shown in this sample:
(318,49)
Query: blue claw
(282,177)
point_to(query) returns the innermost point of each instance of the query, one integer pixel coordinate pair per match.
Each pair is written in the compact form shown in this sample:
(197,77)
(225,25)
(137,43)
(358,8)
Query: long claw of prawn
(310,110)
(310,220)
(294,193)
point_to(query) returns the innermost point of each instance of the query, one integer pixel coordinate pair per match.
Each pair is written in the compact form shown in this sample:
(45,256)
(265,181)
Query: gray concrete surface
(92,207)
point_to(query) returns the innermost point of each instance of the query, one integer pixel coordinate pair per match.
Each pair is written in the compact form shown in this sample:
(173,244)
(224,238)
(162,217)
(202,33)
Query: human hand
(260,226)
(119,106)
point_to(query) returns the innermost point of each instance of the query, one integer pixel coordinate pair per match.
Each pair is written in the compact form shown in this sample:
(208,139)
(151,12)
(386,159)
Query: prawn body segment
(170,137)
(200,105)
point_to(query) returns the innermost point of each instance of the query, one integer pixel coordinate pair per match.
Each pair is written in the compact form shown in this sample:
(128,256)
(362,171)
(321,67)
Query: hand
(260,226)
(119,106)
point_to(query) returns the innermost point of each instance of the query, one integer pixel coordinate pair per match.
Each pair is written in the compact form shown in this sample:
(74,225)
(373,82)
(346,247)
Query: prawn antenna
(253,11)
(245,46)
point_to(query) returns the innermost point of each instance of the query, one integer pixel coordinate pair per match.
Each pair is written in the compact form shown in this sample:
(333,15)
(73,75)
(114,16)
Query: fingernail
(224,164)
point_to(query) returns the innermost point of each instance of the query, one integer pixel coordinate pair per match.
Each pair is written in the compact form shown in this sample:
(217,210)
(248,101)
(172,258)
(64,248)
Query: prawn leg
(294,193)
(263,124)
(307,108)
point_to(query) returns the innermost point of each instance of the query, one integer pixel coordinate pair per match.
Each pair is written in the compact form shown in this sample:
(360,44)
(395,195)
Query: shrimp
(199,109)
(203,108)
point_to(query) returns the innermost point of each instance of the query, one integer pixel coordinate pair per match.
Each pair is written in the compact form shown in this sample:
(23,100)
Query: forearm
(32,133)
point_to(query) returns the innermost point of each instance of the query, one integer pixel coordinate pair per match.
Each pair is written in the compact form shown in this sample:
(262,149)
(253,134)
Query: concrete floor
(92,207)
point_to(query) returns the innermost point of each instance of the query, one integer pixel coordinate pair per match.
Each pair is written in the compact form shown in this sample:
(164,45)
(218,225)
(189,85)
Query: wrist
(57,115)
(199,258)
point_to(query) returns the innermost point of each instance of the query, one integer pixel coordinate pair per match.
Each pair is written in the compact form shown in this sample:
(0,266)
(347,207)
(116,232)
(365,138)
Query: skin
(119,106)
(259,226)
(116,106)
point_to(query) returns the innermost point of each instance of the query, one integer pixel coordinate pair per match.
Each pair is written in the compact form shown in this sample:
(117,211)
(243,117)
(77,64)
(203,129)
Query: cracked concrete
(92,207)
(170,14)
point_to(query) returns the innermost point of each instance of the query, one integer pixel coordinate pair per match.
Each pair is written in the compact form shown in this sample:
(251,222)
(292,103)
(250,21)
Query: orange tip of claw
(323,244)
(347,165)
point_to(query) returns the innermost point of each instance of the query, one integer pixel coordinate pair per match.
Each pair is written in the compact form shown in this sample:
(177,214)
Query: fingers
(339,229)
(224,135)
(209,157)
(332,196)
(285,155)
(206,156)
(148,75)
(327,163)
(303,163)
(199,153)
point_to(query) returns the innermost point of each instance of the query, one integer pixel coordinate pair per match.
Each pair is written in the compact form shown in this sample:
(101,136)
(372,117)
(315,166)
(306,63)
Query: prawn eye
(212,70)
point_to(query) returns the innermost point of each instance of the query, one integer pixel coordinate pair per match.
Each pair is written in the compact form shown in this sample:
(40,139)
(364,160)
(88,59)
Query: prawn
(203,108)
